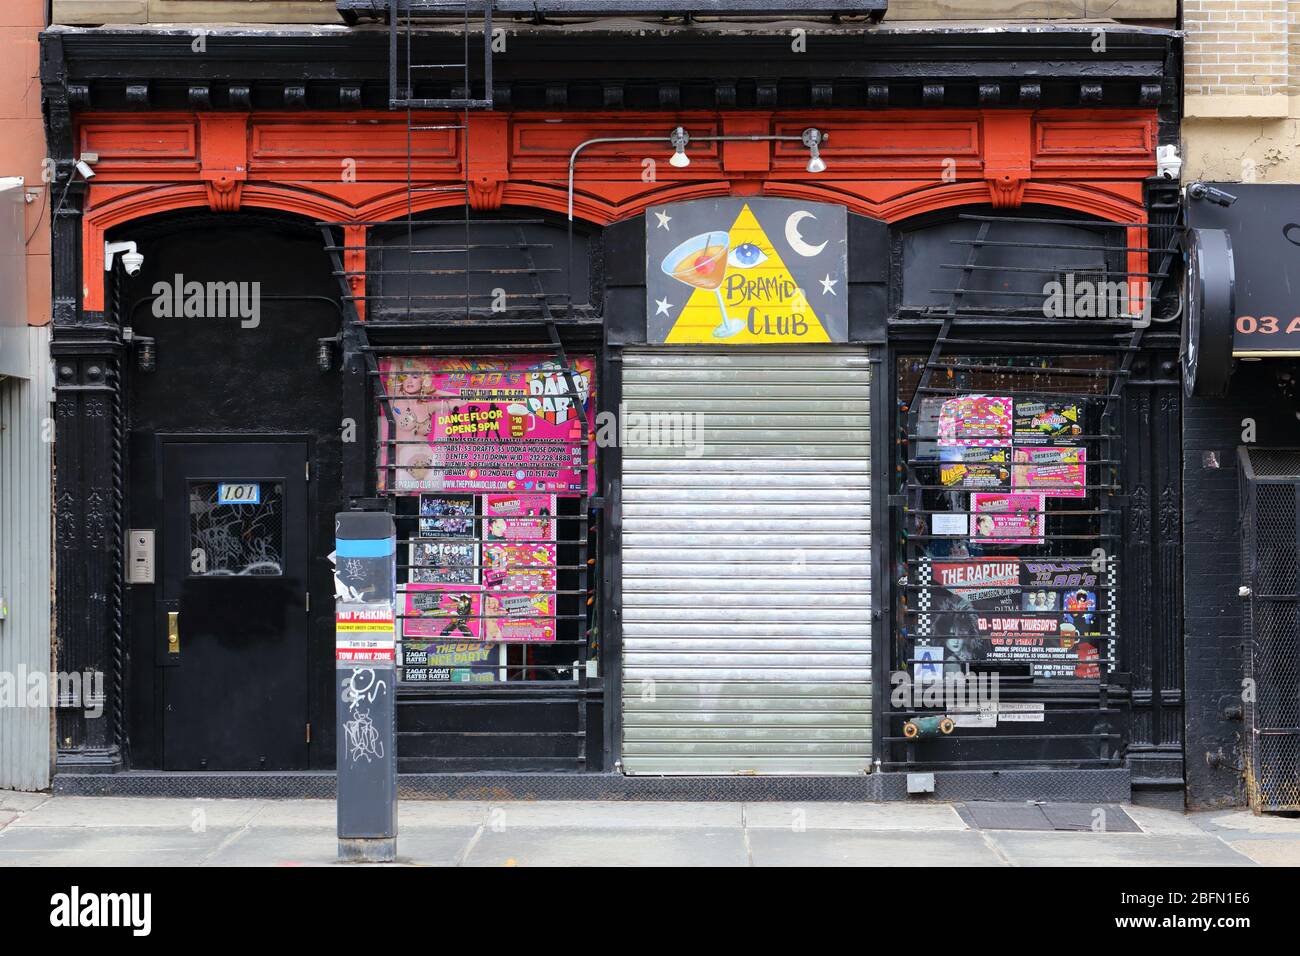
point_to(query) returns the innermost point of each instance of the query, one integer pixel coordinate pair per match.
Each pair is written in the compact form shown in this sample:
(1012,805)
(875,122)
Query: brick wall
(98,12)
(22,138)
(1242,90)
(1240,47)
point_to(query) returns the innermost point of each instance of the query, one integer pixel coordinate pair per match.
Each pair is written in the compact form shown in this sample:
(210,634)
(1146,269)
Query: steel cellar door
(746,562)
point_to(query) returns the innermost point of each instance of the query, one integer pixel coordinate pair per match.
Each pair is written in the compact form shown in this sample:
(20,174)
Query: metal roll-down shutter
(747,562)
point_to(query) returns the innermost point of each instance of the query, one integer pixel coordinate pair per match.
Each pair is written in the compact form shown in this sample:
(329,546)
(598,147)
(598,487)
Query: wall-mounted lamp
(325,352)
(679,138)
(146,350)
(146,354)
(813,139)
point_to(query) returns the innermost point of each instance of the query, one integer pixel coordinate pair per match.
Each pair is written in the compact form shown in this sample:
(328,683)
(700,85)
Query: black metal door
(232,618)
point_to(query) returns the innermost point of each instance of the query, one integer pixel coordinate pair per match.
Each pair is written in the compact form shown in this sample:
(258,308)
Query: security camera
(132,259)
(1169,165)
(1209,193)
(84,168)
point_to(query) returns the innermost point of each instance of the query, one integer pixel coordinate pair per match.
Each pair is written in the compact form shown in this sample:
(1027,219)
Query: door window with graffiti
(236,528)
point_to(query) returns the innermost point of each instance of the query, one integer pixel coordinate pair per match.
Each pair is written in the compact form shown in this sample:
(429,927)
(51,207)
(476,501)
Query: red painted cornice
(352,167)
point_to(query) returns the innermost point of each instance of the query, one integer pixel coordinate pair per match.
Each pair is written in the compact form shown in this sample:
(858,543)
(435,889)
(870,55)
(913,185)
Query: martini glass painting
(701,262)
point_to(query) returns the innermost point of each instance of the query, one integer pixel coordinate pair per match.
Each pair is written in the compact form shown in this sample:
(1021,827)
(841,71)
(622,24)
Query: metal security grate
(1007,561)
(1275,463)
(1270,493)
(746,562)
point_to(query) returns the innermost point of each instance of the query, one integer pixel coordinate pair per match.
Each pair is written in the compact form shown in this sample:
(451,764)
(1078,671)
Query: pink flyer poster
(487,424)
(519,518)
(1056,472)
(519,596)
(1006,518)
(519,571)
(975,420)
(440,610)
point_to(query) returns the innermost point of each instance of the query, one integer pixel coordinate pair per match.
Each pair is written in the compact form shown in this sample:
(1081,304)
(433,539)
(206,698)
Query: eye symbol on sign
(747,255)
(1287,231)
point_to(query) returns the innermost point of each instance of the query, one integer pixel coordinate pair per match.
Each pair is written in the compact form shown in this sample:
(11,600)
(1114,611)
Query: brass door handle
(173,632)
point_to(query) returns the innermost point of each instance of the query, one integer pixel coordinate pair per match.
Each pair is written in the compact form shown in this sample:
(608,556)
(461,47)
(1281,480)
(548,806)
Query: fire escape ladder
(447,82)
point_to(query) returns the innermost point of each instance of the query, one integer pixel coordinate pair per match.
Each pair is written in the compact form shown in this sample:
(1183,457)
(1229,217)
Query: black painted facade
(1261,409)
(110,413)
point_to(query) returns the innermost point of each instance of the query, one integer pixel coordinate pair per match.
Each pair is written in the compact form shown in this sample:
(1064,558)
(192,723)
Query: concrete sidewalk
(36,829)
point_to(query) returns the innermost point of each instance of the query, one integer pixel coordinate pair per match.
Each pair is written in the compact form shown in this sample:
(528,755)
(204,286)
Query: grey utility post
(365,675)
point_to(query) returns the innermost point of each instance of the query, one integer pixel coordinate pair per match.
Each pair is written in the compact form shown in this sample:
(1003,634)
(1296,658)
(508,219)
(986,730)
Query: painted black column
(88,600)
(88,533)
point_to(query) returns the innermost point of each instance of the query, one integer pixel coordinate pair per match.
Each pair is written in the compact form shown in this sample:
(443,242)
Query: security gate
(1270,499)
(746,556)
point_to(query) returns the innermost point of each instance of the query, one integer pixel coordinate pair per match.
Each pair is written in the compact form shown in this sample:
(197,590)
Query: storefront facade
(667,442)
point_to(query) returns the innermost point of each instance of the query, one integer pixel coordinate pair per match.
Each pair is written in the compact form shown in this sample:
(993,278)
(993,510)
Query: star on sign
(662,306)
(664,219)
(828,284)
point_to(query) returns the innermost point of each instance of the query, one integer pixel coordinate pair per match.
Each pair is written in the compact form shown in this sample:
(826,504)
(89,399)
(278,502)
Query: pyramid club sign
(746,271)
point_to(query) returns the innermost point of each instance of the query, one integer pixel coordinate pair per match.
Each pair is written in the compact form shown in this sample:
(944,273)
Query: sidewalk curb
(1077,786)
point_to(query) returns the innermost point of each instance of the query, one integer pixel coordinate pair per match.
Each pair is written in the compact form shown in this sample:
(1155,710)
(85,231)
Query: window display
(489,460)
(1004,554)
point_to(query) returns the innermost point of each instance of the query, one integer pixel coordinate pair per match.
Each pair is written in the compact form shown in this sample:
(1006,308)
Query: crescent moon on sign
(795,240)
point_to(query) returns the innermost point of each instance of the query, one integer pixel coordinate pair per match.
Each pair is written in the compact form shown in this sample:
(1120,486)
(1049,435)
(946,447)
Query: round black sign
(1207,329)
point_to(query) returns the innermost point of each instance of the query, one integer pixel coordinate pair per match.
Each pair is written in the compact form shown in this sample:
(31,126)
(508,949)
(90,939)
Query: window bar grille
(414,300)
(976,341)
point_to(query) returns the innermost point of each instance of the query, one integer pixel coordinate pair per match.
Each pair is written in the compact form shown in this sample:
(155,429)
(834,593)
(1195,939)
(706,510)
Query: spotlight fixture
(813,139)
(679,138)
(83,164)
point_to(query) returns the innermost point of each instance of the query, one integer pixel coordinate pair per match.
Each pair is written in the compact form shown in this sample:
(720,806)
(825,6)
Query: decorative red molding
(122,205)
(352,167)
(488,160)
(354,263)
(1008,156)
(224,194)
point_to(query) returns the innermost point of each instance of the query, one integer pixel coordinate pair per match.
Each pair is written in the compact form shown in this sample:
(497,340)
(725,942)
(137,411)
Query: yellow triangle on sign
(764,303)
